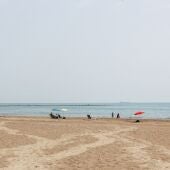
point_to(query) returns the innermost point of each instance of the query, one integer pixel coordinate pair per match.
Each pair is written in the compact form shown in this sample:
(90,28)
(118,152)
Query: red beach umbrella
(139,113)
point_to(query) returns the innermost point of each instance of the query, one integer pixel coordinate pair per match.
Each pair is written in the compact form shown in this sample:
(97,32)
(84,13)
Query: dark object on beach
(57,116)
(53,116)
(88,116)
(137,121)
(118,116)
(112,114)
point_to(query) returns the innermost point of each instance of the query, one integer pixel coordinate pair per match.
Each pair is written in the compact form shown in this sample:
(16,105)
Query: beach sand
(101,144)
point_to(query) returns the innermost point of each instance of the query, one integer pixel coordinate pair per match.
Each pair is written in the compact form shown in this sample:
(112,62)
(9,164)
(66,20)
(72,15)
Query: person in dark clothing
(53,116)
(118,116)
(112,114)
(88,116)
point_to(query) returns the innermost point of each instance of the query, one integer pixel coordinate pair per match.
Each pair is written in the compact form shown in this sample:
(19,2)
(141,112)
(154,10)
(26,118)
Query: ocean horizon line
(122,102)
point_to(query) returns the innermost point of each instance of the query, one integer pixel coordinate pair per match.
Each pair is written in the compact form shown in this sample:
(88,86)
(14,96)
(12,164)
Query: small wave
(64,110)
(60,110)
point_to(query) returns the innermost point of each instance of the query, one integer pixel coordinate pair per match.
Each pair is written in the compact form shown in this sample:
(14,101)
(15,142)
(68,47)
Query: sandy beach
(101,144)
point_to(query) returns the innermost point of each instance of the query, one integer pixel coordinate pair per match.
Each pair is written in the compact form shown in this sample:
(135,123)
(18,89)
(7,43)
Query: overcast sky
(84,50)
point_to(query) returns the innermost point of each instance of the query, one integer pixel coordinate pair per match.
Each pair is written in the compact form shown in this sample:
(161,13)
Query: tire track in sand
(32,156)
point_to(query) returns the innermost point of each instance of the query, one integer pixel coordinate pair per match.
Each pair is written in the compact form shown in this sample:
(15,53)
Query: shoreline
(85,118)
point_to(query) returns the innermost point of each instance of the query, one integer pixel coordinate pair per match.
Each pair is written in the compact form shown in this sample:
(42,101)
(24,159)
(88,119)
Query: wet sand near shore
(101,144)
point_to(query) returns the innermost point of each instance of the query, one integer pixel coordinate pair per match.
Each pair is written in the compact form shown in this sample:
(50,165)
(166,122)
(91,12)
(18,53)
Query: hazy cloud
(83,51)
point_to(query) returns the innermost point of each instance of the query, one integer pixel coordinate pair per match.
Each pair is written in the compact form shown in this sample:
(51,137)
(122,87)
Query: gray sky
(84,50)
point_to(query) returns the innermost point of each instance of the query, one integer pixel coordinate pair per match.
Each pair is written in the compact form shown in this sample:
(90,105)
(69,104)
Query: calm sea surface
(126,110)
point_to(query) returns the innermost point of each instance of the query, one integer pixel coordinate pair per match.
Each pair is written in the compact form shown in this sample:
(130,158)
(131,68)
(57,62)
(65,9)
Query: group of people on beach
(117,115)
(57,116)
(114,115)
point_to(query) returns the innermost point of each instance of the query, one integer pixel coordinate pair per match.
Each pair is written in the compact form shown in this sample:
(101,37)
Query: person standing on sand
(112,114)
(118,116)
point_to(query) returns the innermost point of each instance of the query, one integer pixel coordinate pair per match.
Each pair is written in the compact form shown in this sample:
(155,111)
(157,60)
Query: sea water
(126,110)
